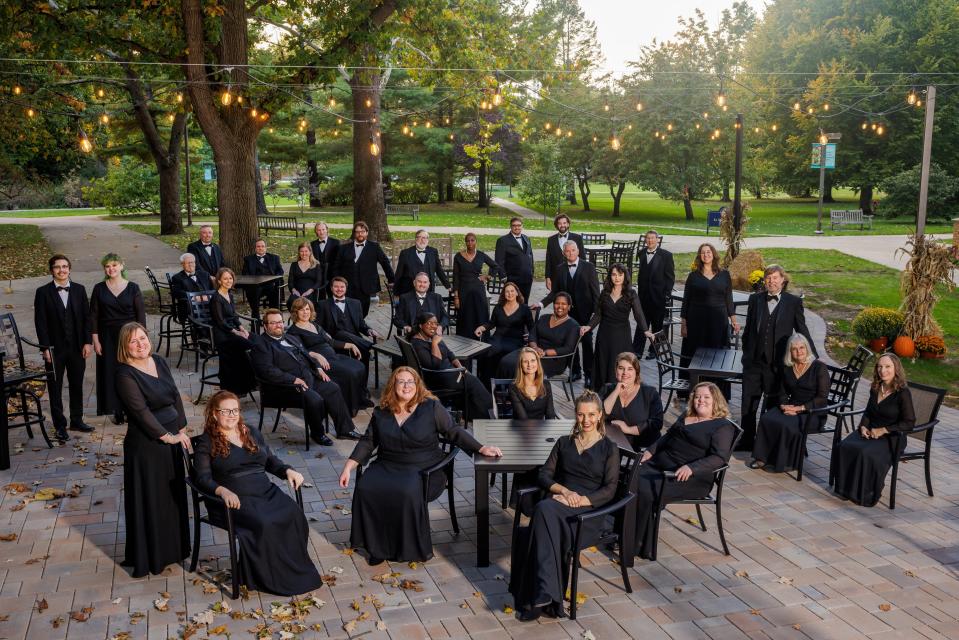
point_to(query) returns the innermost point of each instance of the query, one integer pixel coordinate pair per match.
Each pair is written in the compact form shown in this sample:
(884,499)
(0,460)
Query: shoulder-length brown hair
(589,397)
(298,305)
(390,402)
(306,245)
(720,406)
(538,378)
(221,272)
(898,380)
(123,342)
(502,294)
(700,265)
(630,357)
(221,446)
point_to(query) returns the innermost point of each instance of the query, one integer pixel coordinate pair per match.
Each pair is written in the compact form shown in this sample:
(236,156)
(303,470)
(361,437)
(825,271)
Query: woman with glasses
(154,495)
(231,462)
(390,511)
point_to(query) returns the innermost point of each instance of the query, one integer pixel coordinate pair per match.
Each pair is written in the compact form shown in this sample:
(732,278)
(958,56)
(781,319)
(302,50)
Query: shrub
(873,323)
(129,187)
(931,344)
(902,193)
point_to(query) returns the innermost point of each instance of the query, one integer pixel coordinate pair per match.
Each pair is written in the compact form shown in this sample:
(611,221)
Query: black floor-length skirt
(107,402)
(611,340)
(350,374)
(154,505)
(473,310)
(235,372)
(389,492)
(500,346)
(861,466)
(706,326)
(779,439)
(650,482)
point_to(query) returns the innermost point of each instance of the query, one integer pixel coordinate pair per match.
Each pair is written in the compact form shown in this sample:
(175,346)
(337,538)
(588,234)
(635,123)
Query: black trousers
(655,314)
(69,360)
(364,299)
(757,380)
(335,405)
(270,292)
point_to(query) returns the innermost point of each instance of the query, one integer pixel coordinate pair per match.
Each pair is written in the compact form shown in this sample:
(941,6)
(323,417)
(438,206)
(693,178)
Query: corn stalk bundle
(930,264)
(729,235)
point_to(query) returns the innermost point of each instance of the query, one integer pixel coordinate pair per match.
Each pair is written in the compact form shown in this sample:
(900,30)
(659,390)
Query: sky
(624,26)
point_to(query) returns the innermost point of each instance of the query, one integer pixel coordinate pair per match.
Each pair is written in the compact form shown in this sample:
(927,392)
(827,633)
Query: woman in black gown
(863,459)
(231,462)
(113,303)
(305,277)
(581,473)
(154,493)
(804,387)
(469,287)
(553,334)
(390,515)
(231,339)
(634,407)
(614,337)
(346,371)
(432,353)
(507,330)
(707,310)
(529,394)
(696,446)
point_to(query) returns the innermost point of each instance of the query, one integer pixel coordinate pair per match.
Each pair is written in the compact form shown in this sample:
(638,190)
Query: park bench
(849,217)
(279,223)
(410,210)
(713,219)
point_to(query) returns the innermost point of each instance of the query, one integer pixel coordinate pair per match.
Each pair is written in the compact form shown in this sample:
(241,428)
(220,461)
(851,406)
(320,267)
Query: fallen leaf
(885,607)
(123,635)
(203,618)
(678,589)
(137,617)
(507,609)
(785,580)
(222,607)
(911,574)
(116,601)
(82,615)
(161,604)
(588,635)
(350,627)
(363,616)
(796,627)
(380,625)
(742,574)
(49,493)
(42,605)
(8,537)
(755,612)
(16,487)
(4,617)
(37,559)
(427,600)
(218,630)
(355,605)
(592,549)
(348,551)
(56,622)
(337,570)
(692,521)
(411,585)
(413,566)
(477,594)
(465,605)
(328,580)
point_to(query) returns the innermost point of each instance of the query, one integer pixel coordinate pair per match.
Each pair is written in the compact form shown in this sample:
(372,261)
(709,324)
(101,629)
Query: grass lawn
(23,251)
(53,213)
(837,286)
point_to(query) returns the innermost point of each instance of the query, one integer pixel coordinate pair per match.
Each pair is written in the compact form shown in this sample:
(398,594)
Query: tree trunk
(617,195)
(261,209)
(170,223)
(827,192)
(865,199)
(450,194)
(584,191)
(368,203)
(688,208)
(572,196)
(440,187)
(312,173)
(481,184)
(726,197)
(758,192)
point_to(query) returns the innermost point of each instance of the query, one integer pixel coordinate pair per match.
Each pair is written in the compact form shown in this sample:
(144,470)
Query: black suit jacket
(181,283)
(656,279)
(554,252)
(328,255)
(409,307)
(515,262)
(279,365)
(209,263)
(409,264)
(271,265)
(584,289)
(50,314)
(334,321)
(361,274)
(790,317)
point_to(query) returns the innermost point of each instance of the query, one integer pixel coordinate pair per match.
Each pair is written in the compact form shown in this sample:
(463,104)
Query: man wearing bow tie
(420,258)
(772,317)
(342,317)
(62,320)
(356,261)
(415,302)
(657,275)
(324,250)
(514,254)
(189,278)
(208,255)
(555,244)
(262,263)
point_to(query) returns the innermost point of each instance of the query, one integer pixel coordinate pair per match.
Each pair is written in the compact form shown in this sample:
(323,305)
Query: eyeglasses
(406,383)
(272,322)
(228,412)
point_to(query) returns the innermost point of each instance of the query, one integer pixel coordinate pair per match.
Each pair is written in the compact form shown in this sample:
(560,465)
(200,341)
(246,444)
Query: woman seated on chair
(231,339)
(695,446)
(553,334)
(804,387)
(506,331)
(634,407)
(863,459)
(581,472)
(529,394)
(390,511)
(305,277)
(232,461)
(432,353)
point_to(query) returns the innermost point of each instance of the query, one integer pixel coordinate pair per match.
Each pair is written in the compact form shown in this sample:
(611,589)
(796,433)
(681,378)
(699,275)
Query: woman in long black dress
(695,446)
(231,339)
(507,329)
(529,394)
(581,473)
(553,334)
(231,462)
(432,353)
(305,277)
(154,494)
(634,407)
(614,337)
(707,310)
(805,386)
(390,515)
(863,459)
(469,287)
(346,371)
(113,303)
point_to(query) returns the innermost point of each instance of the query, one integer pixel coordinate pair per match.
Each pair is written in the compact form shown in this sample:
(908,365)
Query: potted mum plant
(931,347)
(877,325)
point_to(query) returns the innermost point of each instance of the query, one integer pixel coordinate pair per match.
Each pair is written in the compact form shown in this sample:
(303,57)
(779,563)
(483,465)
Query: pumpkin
(904,347)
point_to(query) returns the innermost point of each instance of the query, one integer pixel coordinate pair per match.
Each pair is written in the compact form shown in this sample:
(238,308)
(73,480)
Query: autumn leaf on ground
(507,609)
(328,580)
(348,551)
(349,627)
(411,585)
(4,617)
(355,605)
(137,617)
(82,615)
(885,607)
(204,617)
(692,521)
(678,589)
(380,625)
(742,574)
(37,559)
(162,604)
(56,622)
(796,627)
(588,635)
(336,570)
(755,612)
(785,580)
(123,635)
(16,487)
(41,605)
(8,537)
(413,566)
(220,630)
(48,493)
(908,572)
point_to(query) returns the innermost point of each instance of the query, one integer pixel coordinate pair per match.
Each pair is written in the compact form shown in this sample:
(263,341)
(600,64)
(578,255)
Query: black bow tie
(770,298)
(650,253)
(421,298)
(67,288)
(360,244)
(339,300)
(421,251)
(573,266)
(191,275)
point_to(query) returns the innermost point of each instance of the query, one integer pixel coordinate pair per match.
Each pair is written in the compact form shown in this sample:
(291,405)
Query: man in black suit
(187,279)
(282,359)
(208,255)
(415,302)
(262,263)
(356,261)
(342,318)
(577,278)
(555,244)
(657,275)
(420,258)
(62,319)
(772,317)
(514,255)
(324,250)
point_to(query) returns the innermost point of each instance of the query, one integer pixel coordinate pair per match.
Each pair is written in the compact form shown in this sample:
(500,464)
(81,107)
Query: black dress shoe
(118,418)
(352,435)
(528,615)
(573,378)
(80,426)
(373,561)
(650,356)
(756,464)
(324,440)
(366,403)
(554,610)
(62,435)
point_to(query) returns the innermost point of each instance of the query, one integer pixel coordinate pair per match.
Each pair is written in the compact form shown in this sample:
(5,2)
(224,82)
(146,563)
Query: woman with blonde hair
(390,511)
(232,461)
(305,277)
(529,394)
(231,338)
(634,407)
(698,444)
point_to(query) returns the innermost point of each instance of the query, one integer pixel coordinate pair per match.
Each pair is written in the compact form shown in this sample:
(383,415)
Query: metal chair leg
(276,422)
(928,461)
(719,524)
(573,585)
(702,521)
(449,495)
(892,487)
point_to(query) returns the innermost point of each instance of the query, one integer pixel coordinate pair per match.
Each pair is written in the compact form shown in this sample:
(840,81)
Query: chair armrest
(608,509)
(671,475)
(206,496)
(920,428)
(831,407)
(448,458)
(42,347)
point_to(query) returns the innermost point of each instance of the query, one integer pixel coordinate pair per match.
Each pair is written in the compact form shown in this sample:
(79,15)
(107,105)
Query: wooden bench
(410,210)
(280,223)
(849,217)
(713,219)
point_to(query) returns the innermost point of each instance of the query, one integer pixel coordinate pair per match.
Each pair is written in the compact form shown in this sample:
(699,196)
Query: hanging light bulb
(639,106)
(569,133)
(416,122)
(774,127)
(656,134)
(331,101)
(270,129)
(170,118)
(104,119)
(447,120)
(912,97)
(918,102)
(374,148)
(873,126)
(336,134)
(30,112)
(264,116)
(630,127)
(369,103)
(825,107)
(428,124)
(595,139)
(811,110)
(559,131)
(100,92)
(880,130)
(721,98)
(865,125)
(239,99)
(406,129)
(615,143)
(85,145)
(179,97)
(547,126)
(606,107)
(823,139)
(451,136)
(705,115)
(669,127)
(497,98)
(796,106)
(756,130)
(254,113)
(697,125)
(339,121)
(226,98)
(736,125)
(716,133)
(17,89)
(725,108)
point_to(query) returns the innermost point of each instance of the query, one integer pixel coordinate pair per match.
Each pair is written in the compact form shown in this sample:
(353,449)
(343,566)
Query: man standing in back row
(208,255)
(356,262)
(514,255)
(555,244)
(657,274)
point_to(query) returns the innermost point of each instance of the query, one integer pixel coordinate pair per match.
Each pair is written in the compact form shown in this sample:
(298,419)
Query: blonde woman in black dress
(305,277)
(530,395)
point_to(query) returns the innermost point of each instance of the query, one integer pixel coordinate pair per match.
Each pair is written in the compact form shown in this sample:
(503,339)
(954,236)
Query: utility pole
(926,159)
(738,180)
(824,139)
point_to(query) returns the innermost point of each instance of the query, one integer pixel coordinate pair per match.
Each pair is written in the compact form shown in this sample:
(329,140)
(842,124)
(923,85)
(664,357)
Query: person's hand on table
(490,452)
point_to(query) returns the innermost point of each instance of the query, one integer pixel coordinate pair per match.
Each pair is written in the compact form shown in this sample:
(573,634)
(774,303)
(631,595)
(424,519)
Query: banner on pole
(817,155)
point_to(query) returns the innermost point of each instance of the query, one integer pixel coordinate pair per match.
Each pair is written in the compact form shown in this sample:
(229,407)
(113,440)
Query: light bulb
(270,129)
(85,145)
(406,129)
(774,127)
(865,125)
(179,97)
(369,103)
(451,136)
(31,113)
(239,99)
(547,126)
(101,92)
(796,106)
(614,143)
(170,118)
(17,90)
(810,110)
(669,127)
(880,130)
(825,107)
(559,131)
(332,102)
(254,113)
(497,98)
(605,107)
(428,124)
(569,134)
(264,116)
(105,119)
(911,98)
(705,115)
(639,106)
(447,120)
(823,139)
(697,125)
(756,130)
(374,148)
(725,107)
(918,102)
(339,121)
(226,98)
(716,133)
(721,98)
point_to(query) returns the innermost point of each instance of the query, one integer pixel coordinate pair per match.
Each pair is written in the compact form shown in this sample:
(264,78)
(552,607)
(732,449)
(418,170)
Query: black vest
(769,334)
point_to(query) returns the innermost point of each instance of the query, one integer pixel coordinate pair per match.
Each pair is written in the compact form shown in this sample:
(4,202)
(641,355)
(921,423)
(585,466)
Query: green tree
(541,183)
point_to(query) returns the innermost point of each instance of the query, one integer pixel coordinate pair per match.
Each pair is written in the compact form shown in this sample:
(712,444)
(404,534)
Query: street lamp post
(823,144)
